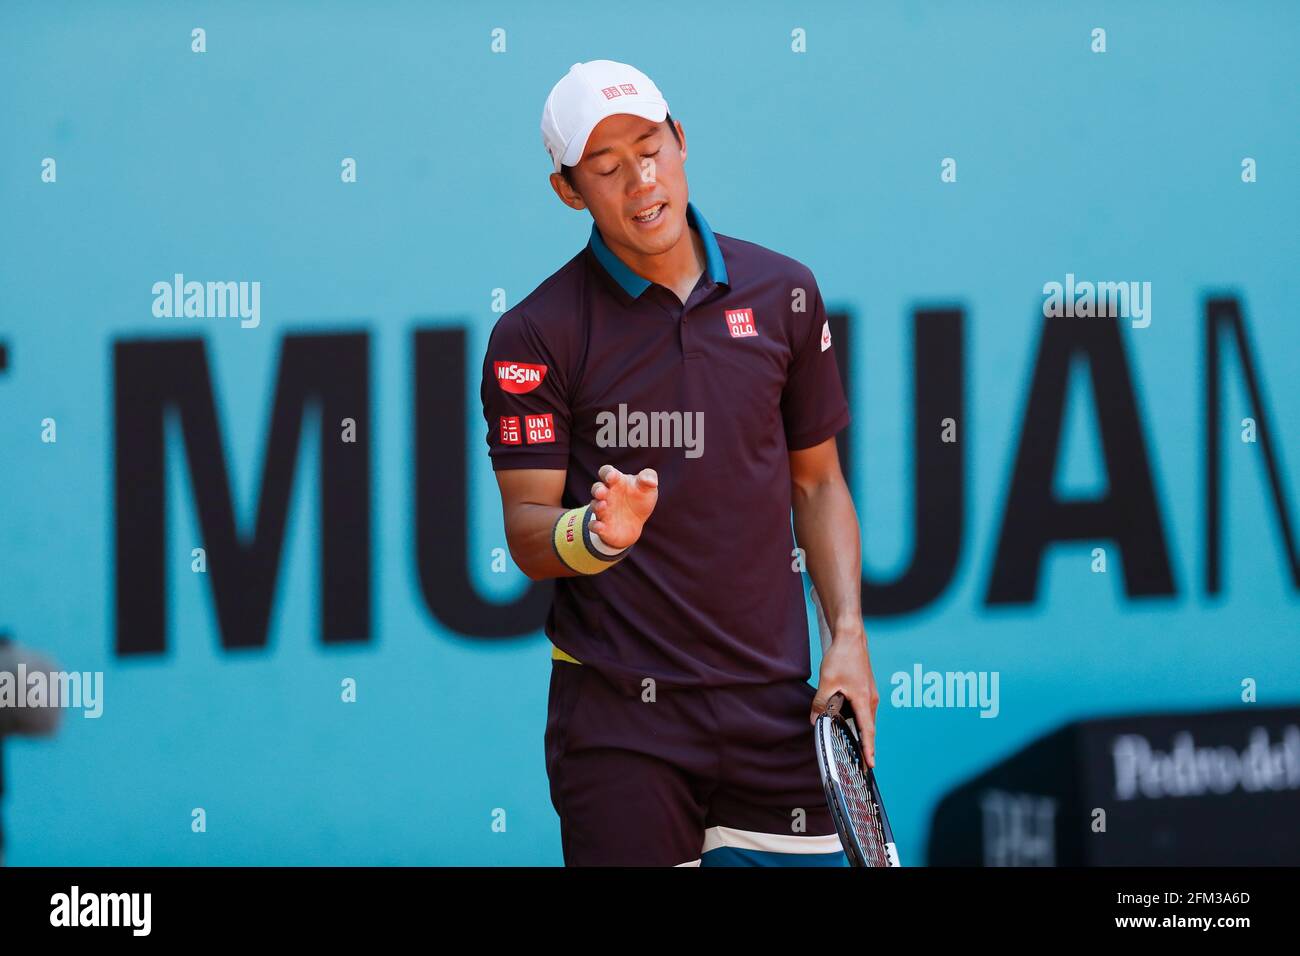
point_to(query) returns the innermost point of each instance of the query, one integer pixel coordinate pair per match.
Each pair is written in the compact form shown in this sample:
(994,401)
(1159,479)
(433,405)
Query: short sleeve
(813,406)
(524,398)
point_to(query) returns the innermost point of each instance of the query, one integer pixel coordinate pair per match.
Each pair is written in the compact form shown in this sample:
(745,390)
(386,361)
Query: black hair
(567,171)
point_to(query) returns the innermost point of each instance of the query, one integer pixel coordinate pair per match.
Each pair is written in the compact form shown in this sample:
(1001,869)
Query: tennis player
(655,411)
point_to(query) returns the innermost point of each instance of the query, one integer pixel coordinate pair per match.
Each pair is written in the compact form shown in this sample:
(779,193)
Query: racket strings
(861,807)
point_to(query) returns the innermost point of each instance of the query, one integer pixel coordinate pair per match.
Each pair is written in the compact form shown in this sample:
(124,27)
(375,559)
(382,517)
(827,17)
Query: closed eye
(643,156)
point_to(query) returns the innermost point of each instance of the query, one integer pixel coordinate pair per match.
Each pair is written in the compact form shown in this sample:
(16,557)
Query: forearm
(550,541)
(826,528)
(529,531)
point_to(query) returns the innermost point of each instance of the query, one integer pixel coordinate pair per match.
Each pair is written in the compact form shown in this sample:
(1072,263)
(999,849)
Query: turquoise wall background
(226,165)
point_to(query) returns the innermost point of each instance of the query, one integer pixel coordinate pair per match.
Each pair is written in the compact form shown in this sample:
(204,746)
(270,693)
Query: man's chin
(659,240)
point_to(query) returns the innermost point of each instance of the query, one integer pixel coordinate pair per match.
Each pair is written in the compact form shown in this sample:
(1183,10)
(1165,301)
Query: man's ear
(681,134)
(568,195)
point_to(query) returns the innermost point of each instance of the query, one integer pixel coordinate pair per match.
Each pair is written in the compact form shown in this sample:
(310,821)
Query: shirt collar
(634,284)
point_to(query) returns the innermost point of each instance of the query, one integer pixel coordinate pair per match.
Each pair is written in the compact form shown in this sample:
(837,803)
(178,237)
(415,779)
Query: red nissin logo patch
(519,377)
(509,430)
(740,322)
(539,428)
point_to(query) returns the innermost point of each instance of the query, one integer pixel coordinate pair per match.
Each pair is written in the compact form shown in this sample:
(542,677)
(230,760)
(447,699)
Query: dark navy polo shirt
(740,375)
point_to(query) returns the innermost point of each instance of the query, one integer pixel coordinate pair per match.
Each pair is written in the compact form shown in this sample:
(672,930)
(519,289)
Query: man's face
(631,165)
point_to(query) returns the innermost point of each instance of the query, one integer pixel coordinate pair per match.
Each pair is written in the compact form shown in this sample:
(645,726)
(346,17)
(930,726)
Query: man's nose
(642,178)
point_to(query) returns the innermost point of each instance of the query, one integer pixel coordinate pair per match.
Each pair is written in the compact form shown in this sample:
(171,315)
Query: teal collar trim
(634,284)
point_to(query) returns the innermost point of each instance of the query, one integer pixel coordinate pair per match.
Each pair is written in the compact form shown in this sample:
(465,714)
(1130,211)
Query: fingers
(820,700)
(868,734)
(864,719)
(610,477)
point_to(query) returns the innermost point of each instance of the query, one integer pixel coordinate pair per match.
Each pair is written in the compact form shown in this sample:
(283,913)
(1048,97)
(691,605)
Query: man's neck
(677,269)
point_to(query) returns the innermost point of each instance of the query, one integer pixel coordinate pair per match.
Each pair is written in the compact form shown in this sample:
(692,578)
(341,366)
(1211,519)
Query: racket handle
(838,704)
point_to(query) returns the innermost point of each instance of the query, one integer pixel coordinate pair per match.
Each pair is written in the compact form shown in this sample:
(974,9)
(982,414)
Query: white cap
(586,95)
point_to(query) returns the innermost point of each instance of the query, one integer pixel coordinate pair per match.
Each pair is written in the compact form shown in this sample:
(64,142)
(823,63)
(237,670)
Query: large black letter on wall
(151,377)
(1225,315)
(442,499)
(1128,513)
(939,475)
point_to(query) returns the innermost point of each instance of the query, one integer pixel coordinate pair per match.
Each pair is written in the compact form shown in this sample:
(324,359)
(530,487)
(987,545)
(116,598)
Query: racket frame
(829,722)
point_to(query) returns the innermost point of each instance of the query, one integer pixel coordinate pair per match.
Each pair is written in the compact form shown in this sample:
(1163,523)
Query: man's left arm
(826,528)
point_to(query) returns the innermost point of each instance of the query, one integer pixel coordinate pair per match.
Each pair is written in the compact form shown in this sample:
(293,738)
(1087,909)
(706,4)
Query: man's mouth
(650,213)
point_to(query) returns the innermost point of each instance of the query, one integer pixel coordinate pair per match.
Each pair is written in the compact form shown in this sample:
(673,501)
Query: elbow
(519,563)
(42,722)
(808,489)
(527,567)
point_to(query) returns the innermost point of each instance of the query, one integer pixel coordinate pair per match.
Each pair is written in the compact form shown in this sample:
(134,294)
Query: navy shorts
(718,776)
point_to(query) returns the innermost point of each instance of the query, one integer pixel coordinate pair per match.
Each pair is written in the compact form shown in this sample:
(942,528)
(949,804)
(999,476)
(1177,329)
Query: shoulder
(783,281)
(749,261)
(547,316)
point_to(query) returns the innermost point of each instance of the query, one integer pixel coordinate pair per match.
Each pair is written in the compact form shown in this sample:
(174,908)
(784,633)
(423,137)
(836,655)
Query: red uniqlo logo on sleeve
(740,322)
(539,428)
(509,430)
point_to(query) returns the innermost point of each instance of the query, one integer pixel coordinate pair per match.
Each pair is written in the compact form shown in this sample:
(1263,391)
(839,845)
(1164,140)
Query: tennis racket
(850,785)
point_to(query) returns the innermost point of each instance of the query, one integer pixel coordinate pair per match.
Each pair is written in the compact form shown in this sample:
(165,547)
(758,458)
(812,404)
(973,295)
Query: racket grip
(838,704)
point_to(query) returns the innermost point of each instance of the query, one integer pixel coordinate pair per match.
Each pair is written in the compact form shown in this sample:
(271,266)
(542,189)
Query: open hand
(622,503)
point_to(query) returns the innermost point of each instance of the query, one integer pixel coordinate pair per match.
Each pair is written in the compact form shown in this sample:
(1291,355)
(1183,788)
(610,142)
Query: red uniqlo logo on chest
(539,428)
(740,322)
(510,430)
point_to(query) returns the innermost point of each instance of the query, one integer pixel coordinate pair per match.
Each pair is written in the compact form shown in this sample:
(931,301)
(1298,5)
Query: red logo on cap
(519,377)
(740,323)
(509,430)
(540,428)
(623,89)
